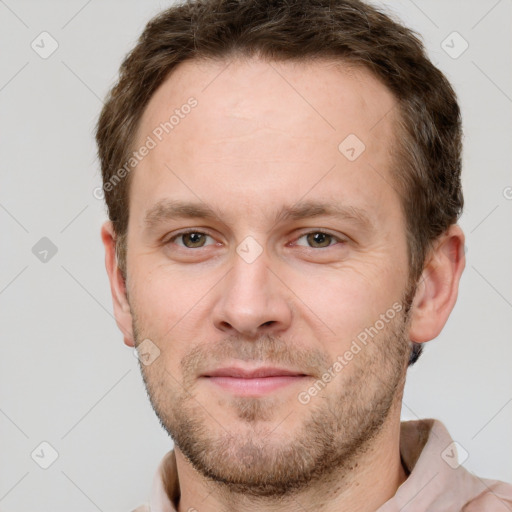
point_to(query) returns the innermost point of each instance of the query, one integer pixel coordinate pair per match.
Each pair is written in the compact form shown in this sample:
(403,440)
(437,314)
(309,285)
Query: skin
(263,137)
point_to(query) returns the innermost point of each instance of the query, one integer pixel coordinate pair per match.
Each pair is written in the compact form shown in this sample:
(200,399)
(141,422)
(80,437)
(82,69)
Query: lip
(255,382)
(241,373)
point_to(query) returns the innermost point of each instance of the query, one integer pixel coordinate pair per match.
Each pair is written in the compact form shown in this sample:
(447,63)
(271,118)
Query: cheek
(345,301)
(167,305)
(164,290)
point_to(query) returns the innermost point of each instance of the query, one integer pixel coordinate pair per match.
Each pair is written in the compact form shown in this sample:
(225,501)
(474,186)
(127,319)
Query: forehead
(333,96)
(263,129)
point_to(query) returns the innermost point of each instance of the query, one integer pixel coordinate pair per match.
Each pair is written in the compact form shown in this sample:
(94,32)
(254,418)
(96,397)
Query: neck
(371,481)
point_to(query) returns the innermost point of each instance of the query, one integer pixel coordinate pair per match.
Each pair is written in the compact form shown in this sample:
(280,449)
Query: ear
(122,311)
(437,289)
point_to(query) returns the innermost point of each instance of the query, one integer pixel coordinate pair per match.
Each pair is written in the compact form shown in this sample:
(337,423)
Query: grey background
(65,375)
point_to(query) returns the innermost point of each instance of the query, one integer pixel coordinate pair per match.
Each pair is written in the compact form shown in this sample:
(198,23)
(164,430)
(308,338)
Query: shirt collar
(437,481)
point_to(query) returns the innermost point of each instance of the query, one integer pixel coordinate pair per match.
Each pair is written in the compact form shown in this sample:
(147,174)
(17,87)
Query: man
(283,187)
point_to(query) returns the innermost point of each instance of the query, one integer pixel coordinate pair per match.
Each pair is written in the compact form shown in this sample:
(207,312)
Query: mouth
(256,382)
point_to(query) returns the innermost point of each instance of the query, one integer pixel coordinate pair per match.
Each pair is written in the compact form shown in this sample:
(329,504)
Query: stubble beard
(260,458)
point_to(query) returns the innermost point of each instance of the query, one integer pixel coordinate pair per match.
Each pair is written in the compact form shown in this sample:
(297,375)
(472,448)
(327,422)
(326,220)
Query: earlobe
(437,289)
(122,311)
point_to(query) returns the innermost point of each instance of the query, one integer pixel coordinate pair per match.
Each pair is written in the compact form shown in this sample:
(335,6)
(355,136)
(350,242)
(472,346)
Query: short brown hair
(428,132)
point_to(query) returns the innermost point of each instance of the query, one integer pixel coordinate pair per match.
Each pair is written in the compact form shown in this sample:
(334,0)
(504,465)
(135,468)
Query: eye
(318,240)
(190,239)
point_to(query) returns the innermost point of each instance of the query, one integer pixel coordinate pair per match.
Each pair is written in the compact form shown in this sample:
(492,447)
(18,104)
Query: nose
(252,300)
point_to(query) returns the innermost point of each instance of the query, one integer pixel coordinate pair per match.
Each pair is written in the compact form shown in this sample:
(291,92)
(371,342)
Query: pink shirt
(437,483)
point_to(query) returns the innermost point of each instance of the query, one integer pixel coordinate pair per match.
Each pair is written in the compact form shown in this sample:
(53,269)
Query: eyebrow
(167,209)
(311,209)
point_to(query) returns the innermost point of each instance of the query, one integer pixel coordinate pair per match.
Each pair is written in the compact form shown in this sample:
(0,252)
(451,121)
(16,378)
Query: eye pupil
(193,239)
(319,239)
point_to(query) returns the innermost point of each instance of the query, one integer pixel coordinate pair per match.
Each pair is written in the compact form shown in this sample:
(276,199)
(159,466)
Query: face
(263,236)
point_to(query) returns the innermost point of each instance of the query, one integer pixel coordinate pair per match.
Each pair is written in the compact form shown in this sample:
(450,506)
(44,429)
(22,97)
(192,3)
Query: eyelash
(182,233)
